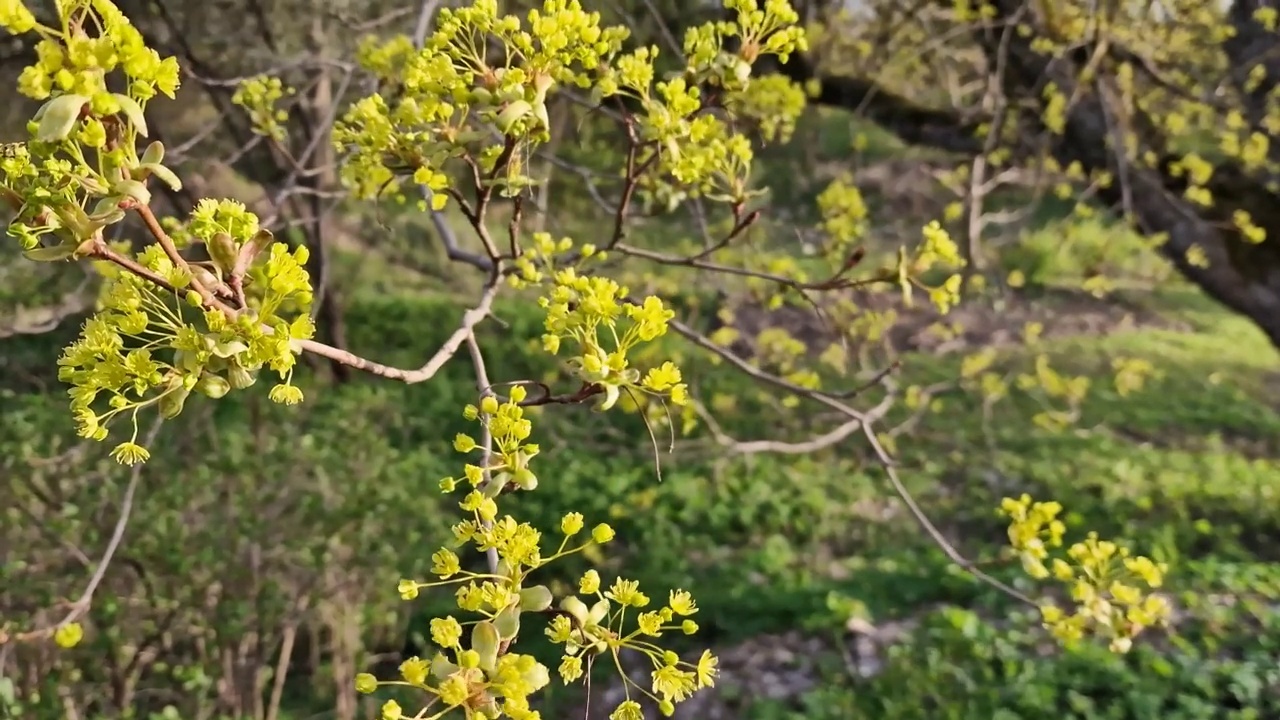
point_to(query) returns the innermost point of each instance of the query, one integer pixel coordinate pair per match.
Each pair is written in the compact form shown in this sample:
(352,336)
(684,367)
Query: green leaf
(222,249)
(535,599)
(229,348)
(133,111)
(485,641)
(51,254)
(213,386)
(171,403)
(508,623)
(133,189)
(167,176)
(59,116)
(154,154)
(512,114)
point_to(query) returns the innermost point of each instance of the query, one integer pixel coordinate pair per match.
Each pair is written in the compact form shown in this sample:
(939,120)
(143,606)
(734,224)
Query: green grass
(1187,469)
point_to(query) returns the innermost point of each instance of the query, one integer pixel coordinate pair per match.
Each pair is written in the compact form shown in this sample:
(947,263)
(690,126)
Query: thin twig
(470,319)
(922,519)
(864,421)
(81,604)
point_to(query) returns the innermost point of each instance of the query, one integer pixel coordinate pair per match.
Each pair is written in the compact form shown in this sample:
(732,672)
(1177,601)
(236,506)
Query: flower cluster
(146,347)
(772,29)
(451,98)
(1109,586)
(82,162)
(593,315)
(774,103)
(260,98)
(1034,528)
(937,249)
(541,258)
(1056,388)
(453,93)
(692,152)
(844,215)
(475,669)
(167,326)
(587,631)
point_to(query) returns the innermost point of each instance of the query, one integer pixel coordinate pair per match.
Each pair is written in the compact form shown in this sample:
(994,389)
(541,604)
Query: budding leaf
(133,111)
(213,386)
(106,204)
(133,189)
(609,398)
(535,599)
(513,114)
(441,668)
(74,218)
(187,361)
(240,377)
(508,623)
(540,112)
(59,116)
(250,251)
(51,254)
(229,348)
(222,249)
(598,612)
(485,640)
(575,607)
(167,176)
(108,218)
(171,403)
(205,277)
(154,154)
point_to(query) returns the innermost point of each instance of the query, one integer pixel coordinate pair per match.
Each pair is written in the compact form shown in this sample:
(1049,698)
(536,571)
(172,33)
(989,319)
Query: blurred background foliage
(258,574)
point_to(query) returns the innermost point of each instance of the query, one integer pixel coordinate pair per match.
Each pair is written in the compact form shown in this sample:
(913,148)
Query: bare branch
(470,319)
(426,13)
(449,239)
(486,433)
(864,421)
